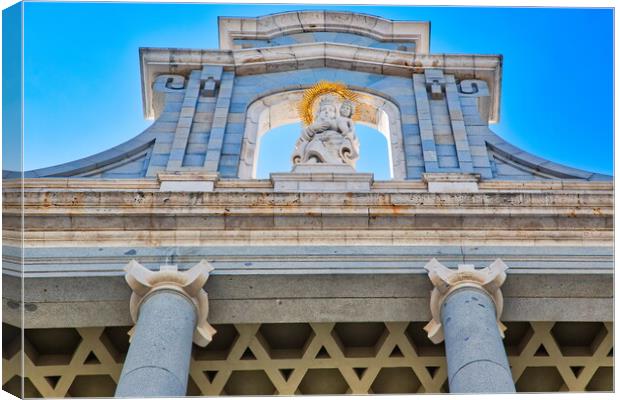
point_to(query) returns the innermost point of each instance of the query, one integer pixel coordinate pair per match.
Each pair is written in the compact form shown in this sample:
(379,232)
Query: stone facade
(319,282)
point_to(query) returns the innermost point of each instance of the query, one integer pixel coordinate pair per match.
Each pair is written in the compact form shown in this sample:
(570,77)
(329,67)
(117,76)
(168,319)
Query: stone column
(170,310)
(466,306)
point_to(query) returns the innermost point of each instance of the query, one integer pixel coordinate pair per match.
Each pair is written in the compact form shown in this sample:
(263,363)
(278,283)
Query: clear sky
(82,76)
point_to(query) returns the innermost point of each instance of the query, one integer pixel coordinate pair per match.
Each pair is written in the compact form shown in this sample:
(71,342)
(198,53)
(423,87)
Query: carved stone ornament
(145,282)
(328,136)
(446,281)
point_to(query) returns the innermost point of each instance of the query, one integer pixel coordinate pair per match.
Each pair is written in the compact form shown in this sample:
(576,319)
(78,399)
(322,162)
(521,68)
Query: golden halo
(306,105)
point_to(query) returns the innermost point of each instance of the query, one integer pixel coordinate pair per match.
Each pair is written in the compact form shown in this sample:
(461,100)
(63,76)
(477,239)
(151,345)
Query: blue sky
(82,76)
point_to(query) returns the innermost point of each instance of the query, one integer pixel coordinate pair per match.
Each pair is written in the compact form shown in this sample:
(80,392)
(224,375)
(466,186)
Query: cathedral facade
(164,267)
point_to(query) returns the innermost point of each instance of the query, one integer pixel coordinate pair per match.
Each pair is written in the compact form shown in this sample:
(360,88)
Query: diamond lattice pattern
(313,358)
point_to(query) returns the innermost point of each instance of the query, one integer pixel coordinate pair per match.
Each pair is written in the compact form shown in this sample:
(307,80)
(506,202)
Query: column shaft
(157,363)
(477,361)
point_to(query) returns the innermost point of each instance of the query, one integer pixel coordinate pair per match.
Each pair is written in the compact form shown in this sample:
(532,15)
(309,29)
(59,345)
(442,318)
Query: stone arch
(277,109)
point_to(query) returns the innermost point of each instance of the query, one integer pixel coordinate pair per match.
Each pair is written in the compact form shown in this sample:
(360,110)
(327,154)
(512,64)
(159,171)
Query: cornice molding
(159,61)
(270,26)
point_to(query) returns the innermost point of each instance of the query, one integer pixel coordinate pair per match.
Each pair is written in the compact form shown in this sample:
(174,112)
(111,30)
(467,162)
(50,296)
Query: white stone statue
(330,138)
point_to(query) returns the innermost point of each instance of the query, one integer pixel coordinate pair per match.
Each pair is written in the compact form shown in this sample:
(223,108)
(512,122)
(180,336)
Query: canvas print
(229,199)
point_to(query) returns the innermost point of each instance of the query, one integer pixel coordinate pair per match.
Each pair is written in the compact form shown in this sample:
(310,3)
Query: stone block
(472,120)
(200,127)
(442,129)
(233,138)
(159,160)
(445,150)
(414,158)
(441,118)
(231,148)
(451,182)
(238,107)
(208,88)
(184,123)
(195,148)
(160,147)
(464,157)
(211,165)
(213,155)
(448,162)
(426,129)
(205,107)
(228,171)
(172,106)
(198,137)
(412,140)
(168,116)
(234,128)
(321,182)
(430,155)
(408,119)
(444,139)
(161,126)
(229,160)
(415,172)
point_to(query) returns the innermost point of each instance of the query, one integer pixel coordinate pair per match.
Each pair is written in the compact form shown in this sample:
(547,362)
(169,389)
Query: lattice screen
(322,358)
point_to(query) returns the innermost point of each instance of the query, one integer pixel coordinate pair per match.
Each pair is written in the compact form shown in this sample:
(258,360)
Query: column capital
(144,282)
(446,281)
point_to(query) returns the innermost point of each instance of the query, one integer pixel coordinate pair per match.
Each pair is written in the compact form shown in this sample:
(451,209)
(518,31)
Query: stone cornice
(269,26)
(93,202)
(158,61)
(266,185)
(237,217)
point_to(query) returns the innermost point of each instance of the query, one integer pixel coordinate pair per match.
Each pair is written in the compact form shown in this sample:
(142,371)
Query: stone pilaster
(466,306)
(425,121)
(184,125)
(220,120)
(170,309)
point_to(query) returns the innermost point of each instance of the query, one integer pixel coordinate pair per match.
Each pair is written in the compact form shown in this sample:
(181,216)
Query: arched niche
(279,109)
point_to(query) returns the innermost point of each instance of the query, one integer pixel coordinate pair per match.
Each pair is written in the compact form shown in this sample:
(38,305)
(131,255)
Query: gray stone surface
(157,363)
(475,354)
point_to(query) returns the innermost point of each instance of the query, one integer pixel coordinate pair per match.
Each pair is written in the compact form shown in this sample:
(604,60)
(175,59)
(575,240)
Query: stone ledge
(451,182)
(187,182)
(564,186)
(320,182)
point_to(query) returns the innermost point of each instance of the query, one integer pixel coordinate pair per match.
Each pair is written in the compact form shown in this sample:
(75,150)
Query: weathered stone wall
(340,256)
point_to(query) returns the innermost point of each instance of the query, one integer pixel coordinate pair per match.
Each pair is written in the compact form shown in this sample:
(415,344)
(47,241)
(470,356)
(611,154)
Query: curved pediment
(269,28)
(203,101)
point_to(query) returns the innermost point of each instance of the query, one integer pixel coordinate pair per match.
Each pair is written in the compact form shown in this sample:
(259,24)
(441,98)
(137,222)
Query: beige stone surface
(271,364)
(144,283)
(446,281)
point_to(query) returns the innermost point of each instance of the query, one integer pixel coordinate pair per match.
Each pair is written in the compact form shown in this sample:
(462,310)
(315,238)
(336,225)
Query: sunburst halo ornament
(306,105)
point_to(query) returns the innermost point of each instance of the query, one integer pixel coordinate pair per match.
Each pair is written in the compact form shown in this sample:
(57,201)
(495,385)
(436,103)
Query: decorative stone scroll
(145,283)
(446,281)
